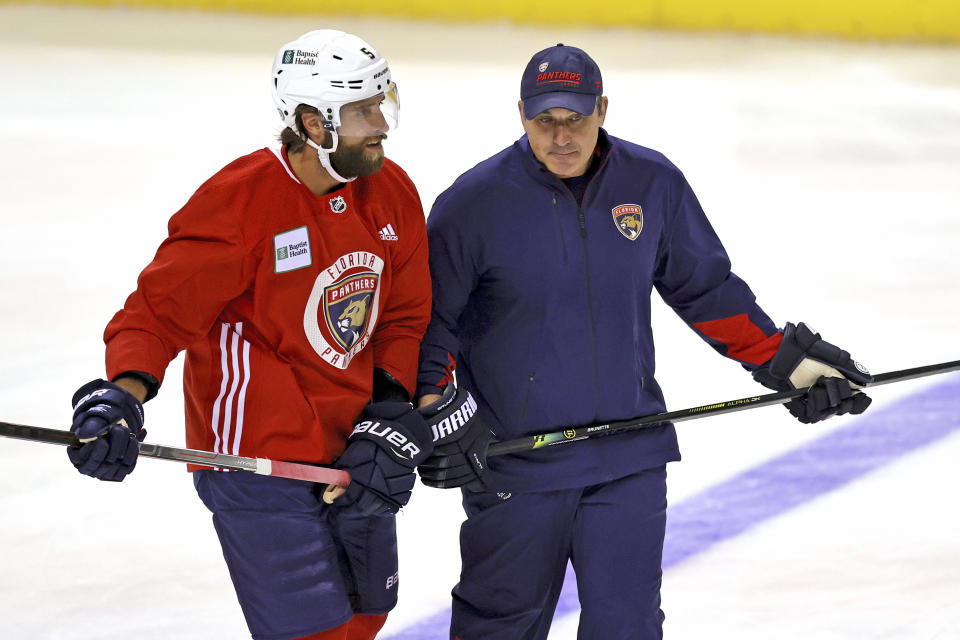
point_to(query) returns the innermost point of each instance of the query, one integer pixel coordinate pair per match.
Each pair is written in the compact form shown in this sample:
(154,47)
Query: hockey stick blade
(573,434)
(263,466)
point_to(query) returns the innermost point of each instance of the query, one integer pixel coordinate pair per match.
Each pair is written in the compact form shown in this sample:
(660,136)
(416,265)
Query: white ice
(831,170)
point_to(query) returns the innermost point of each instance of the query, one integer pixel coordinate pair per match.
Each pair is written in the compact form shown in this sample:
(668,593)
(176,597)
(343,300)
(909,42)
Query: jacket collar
(536,170)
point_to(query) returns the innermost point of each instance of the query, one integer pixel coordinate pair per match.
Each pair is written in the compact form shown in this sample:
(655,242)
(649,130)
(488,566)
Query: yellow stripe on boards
(918,20)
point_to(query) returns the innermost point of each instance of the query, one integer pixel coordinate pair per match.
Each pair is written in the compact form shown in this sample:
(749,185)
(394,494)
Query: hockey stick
(263,466)
(571,434)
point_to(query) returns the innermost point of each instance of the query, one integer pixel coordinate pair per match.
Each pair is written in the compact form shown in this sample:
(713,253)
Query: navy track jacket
(543,305)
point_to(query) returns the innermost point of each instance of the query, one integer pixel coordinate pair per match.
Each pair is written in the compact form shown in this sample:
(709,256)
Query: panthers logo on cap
(543,66)
(629,220)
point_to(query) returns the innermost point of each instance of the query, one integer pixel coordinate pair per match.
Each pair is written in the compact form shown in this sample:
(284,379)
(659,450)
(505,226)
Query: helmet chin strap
(324,156)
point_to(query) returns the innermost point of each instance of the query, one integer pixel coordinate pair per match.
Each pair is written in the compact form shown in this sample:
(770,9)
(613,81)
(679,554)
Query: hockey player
(299,316)
(543,259)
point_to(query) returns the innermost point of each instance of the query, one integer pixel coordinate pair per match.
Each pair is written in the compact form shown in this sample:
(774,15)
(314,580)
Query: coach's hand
(460,440)
(108,422)
(390,440)
(804,360)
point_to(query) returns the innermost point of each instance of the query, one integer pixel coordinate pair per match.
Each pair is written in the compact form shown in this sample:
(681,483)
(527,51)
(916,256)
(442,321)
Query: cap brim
(583,103)
(580,102)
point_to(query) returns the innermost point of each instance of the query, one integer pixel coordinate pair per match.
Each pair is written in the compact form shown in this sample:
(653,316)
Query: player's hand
(460,441)
(804,360)
(390,440)
(108,421)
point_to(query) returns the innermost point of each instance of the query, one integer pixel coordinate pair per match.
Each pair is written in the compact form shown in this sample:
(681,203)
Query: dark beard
(350,162)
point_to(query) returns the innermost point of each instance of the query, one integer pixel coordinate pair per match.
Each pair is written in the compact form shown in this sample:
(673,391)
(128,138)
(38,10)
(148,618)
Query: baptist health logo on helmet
(296,56)
(346,295)
(291,250)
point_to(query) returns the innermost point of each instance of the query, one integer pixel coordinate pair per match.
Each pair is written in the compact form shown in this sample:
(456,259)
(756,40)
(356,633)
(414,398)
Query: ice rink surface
(831,171)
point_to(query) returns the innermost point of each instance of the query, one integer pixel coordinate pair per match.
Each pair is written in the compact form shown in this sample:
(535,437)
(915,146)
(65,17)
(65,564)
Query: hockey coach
(544,258)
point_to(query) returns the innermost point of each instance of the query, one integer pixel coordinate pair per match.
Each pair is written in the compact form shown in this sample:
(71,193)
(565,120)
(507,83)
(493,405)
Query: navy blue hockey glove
(108,421)
(460,441)
(385,446)
(804,360)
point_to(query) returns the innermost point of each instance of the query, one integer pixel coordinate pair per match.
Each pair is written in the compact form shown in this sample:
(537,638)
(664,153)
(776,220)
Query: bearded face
(357,157)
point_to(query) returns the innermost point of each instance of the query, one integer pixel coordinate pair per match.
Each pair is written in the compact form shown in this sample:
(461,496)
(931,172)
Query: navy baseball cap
(560,76)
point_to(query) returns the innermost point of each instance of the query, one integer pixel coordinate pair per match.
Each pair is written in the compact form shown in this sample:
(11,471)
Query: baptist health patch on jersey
(291,250)
(343,306)
(629,220)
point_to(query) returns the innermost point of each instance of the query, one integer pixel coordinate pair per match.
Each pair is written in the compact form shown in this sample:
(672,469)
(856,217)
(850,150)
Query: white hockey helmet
(328,69)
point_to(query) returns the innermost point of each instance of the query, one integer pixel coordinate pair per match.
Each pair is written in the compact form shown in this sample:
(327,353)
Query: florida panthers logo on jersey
(342,310)
(346,304)
(629,220)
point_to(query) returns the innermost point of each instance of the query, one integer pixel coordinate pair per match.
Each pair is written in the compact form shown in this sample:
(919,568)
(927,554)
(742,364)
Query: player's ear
(602,109)
(313,127)
(520,109)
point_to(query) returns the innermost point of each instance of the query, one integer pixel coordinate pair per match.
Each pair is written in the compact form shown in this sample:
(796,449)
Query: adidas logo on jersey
(387,233)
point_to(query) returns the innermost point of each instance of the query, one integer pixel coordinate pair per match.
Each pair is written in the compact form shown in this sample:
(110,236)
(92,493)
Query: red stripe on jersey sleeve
(745,341)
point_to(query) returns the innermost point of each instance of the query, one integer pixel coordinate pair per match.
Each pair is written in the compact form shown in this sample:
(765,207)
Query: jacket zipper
(586,267)
(582,221)
(556,217)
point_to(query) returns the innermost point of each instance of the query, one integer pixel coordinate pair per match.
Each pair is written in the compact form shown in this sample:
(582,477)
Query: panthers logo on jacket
(629,220)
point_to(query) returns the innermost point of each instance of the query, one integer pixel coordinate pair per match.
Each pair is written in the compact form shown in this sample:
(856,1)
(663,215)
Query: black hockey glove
(460,441)
(805,360)
(385,446)
(108,421)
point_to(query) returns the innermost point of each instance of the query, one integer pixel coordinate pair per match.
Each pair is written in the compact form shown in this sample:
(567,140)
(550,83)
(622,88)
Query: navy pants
(514,551)
(298,565)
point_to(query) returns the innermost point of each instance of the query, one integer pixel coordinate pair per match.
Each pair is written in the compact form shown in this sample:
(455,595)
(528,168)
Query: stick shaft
(262,466)
(572,434)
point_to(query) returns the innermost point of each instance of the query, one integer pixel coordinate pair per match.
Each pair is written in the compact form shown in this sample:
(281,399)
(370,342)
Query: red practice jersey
(285,302)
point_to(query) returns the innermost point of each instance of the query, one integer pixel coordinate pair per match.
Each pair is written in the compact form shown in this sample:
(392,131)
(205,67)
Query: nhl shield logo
(346,307)
(629,220)
(338,204)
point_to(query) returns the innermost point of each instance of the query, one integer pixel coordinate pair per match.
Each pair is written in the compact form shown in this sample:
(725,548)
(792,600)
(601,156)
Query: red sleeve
(396,341)
(199,268)
(744,340)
